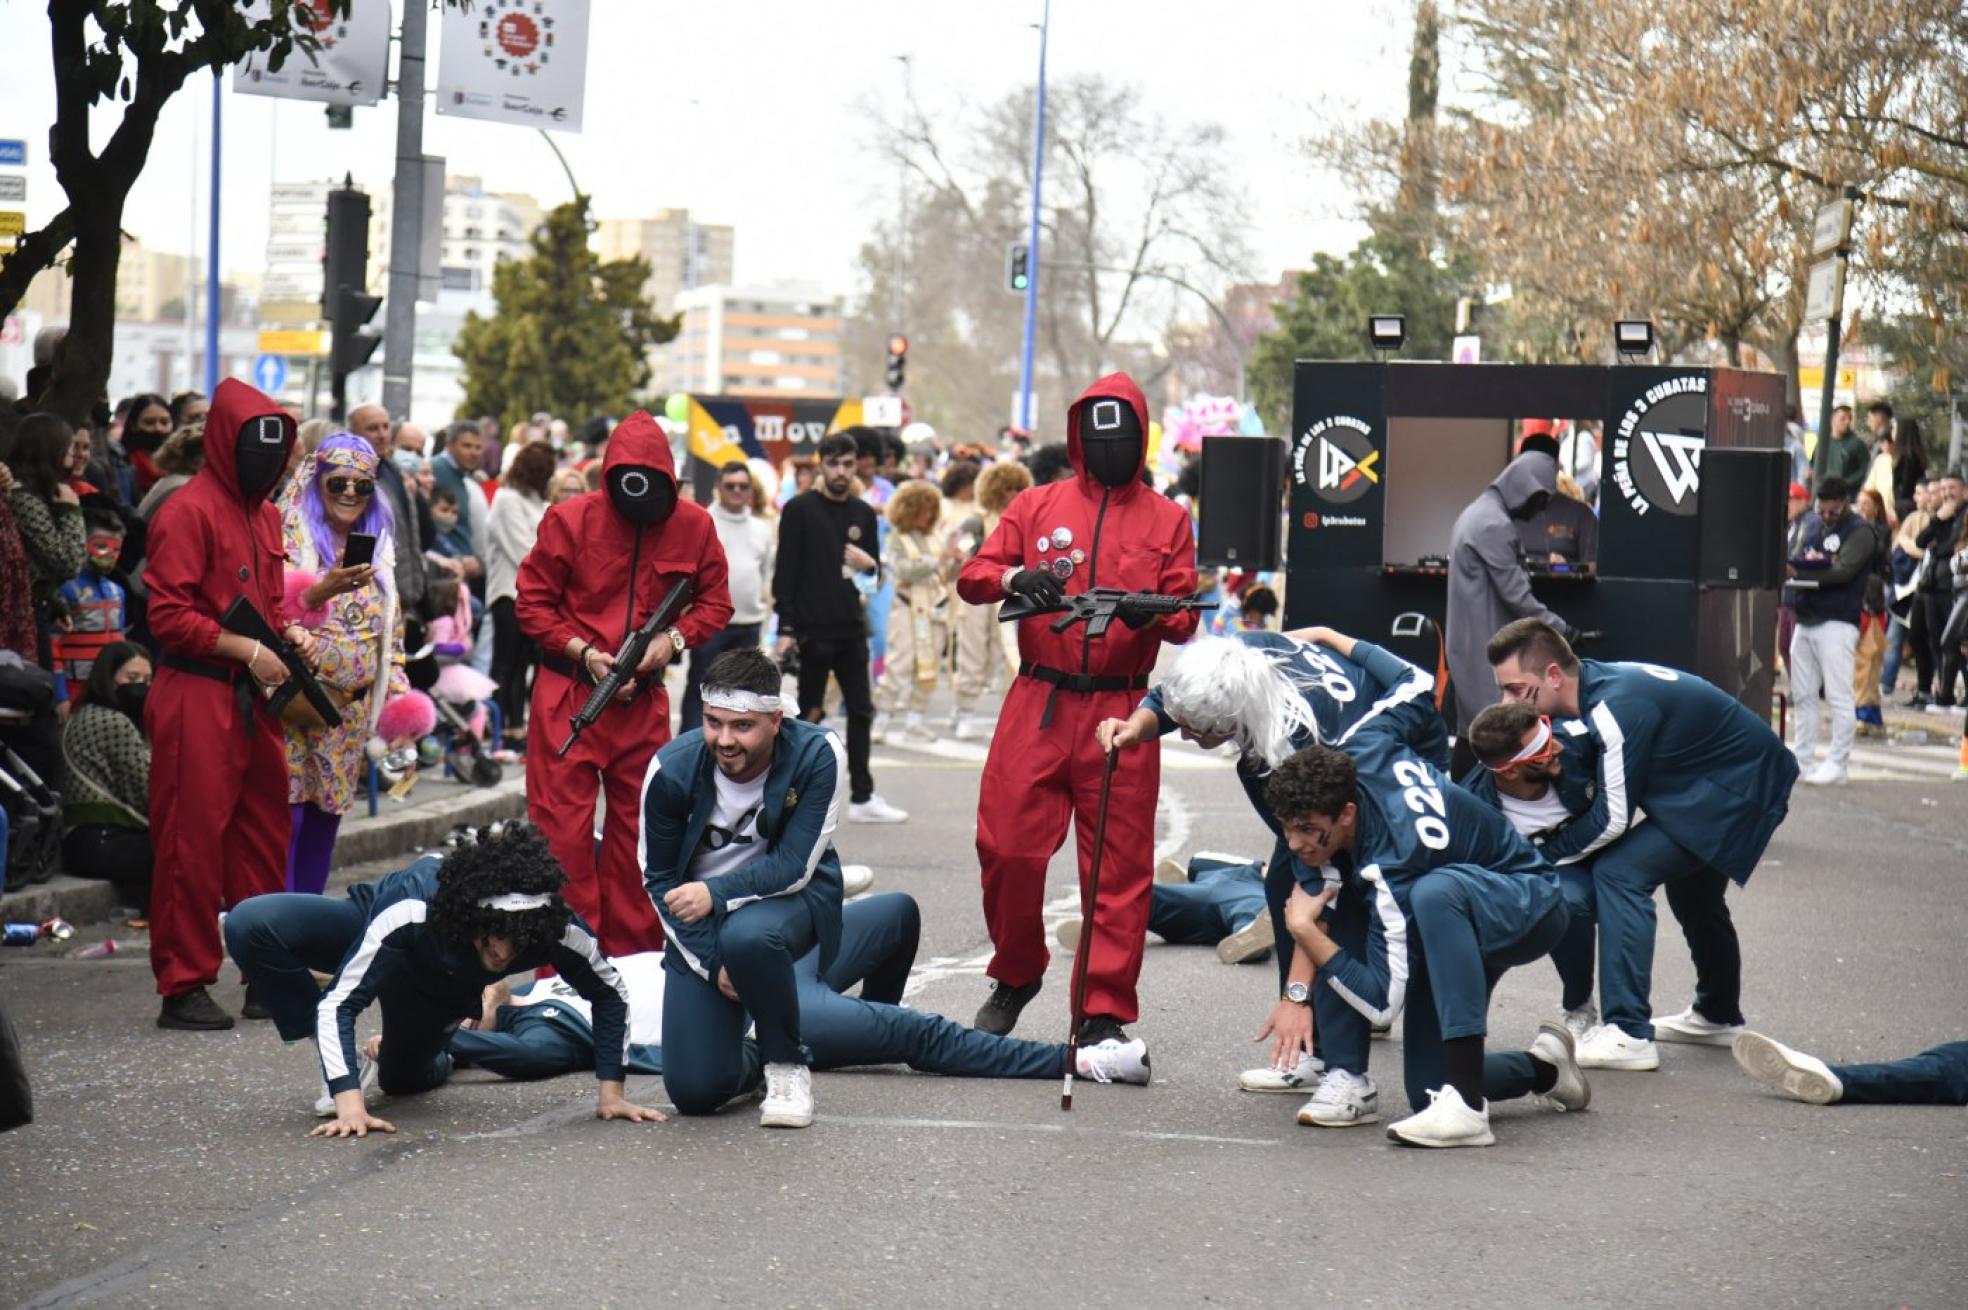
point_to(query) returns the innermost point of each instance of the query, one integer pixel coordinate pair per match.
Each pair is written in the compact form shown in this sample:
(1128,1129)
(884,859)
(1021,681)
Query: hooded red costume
(219,818)
(1037,776)
(593,576)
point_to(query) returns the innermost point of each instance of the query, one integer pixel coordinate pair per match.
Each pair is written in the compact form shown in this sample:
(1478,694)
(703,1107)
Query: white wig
(1219,687)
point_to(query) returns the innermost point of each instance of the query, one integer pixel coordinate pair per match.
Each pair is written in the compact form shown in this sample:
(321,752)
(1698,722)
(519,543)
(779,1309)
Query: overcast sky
(745,112)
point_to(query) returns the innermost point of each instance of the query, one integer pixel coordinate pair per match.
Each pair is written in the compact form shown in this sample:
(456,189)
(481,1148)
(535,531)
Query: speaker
(1743,493)
(1242,515)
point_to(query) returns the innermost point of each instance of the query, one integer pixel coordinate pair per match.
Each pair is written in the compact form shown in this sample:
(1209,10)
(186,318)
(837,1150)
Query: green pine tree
(571,334)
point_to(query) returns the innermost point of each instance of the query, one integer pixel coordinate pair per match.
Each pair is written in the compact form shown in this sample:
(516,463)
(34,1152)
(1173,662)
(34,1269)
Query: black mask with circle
(1110,440)
(641,494)
(260,454)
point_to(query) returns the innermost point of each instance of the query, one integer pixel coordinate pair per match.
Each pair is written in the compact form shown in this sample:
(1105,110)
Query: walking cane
(1086,929)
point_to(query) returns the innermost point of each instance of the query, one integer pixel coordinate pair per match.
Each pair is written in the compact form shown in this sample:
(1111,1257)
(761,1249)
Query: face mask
(444,520)
(261,455)
(104,552)
(130,699)
(147,442)
(408,463)
(641,495)
(1110,441)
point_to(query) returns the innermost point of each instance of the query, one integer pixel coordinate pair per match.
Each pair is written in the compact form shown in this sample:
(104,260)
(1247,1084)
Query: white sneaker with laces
(1691,1027)
(875,810)
(1793,1073)
(1171,871)
(916,730)
(1344,1100)
(788,1097)
(1609,1047)
(1554,1046)
(1253,941)
(1301,1077)
(1826,774)
(1114,1061)
(1581,1021)
(324,1104)
(855,879)
(1068,932)
(1448,1121)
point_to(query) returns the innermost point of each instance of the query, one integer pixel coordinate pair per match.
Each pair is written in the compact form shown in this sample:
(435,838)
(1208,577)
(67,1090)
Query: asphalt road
(171,1169)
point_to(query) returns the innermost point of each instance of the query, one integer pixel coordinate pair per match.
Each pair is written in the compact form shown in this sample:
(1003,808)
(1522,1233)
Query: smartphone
(361,550)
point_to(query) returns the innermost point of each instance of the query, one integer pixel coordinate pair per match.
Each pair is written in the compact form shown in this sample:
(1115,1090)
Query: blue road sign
(13,153)
(270,373)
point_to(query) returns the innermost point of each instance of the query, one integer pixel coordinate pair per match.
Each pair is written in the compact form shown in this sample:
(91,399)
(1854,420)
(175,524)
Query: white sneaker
(1793,1073)
(1581,1021)
(1115,1061)
(1826,774)
(1609,1047)
(1068,932)
(788,1097)
(1301,1077)
(1554,1046)
(875,810)
(963,726)
(1253,941)
(1344,1100)
(916,730)
(1448,1121)
(324,1104)
(1689,1026)
(882,728)
(855,879)
(1171,871)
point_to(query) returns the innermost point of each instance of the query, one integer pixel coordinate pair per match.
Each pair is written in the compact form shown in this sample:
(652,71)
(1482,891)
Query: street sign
(13,223)
(881,411)
(13,187)
(1832,227)
(1467,350)
(13,154)
(270,373)
(293,341)
(1811,378)
(1825,298)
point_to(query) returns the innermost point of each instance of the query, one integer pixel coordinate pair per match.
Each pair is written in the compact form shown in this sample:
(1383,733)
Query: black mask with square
(1110,440)
(260,455)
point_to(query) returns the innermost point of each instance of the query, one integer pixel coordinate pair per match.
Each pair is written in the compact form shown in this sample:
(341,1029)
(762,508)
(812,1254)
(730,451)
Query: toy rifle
(243,619)
(1098,607)
(627,658)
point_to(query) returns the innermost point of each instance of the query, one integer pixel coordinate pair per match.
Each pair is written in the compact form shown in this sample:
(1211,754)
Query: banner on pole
(349,68)
(516,61)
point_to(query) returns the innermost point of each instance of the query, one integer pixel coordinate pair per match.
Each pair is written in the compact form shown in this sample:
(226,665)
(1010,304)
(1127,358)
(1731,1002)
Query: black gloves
(1132,613)
(1037,586)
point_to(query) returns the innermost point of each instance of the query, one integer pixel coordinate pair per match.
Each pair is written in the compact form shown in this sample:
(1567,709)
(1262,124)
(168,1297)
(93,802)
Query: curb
(362,840)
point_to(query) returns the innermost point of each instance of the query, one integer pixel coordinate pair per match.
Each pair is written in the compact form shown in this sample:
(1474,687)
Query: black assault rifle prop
(243,619)
(626,659)
(1098,608)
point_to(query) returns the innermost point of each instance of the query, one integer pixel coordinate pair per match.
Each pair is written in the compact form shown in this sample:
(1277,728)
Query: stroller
(459,695)
(33,828)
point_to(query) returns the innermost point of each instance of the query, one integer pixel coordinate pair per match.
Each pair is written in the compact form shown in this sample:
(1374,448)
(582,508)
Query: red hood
(1118,386)
(232,404)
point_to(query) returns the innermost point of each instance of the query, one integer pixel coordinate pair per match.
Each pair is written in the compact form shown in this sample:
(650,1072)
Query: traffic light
(1018,267)
(350,347)
(898,359)
(345,298)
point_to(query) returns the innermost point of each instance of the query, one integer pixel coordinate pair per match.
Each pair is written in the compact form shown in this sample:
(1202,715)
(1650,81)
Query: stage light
(1633,336)
(1387,331)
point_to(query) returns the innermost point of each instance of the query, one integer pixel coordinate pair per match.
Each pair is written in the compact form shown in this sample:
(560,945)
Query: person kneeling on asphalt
(545,1029)
(1446,873)
(424,943)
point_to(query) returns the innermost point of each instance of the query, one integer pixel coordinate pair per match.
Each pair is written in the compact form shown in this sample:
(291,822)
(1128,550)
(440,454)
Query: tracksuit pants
(1822,655)
(1935,1077)
(1220,898)
(707,1058)
(282,940)
(1341,1035)
(1450,982)
(1573,955)
(1624,876)
(527,1045)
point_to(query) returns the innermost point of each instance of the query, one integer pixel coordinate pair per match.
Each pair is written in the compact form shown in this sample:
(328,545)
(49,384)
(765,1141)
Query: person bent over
(424,943)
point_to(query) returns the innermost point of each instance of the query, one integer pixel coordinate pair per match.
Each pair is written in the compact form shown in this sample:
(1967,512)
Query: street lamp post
(1025,407)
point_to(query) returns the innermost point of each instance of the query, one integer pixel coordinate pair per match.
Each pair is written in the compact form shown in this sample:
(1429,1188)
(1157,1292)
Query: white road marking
(996,1126)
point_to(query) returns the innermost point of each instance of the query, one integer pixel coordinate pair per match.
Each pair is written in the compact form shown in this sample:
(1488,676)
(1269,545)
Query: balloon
(677,408)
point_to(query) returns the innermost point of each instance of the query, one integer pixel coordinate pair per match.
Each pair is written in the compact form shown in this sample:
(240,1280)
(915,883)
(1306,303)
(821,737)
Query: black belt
(566,668)
(242,687)
(1083,683)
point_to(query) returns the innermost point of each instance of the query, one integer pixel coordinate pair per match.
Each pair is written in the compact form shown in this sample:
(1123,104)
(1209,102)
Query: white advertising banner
(349,68)
(516,61)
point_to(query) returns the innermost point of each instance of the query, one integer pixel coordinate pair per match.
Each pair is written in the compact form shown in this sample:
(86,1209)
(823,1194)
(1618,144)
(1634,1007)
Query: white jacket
(749,544)
(509,532)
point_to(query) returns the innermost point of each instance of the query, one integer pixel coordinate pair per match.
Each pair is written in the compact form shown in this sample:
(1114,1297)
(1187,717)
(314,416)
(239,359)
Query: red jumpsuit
(595,575)
(1037,777)
(219,818)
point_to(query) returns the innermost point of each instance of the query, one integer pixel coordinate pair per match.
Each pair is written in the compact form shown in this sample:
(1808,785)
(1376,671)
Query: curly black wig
(1317,781)
(511,857)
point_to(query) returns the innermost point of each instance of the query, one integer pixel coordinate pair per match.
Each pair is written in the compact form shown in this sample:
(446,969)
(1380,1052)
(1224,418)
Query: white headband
(740,702)
(515,902)
(1538,742)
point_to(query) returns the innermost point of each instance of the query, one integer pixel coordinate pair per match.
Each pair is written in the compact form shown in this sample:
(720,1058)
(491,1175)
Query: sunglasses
(736,486)
(346,486)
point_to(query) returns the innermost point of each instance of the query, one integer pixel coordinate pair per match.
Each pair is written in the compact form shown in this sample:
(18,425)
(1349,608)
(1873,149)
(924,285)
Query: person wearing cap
(1828,568)
(424,943)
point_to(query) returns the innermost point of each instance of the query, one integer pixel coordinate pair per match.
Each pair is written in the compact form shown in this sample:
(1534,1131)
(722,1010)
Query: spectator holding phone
(341,585)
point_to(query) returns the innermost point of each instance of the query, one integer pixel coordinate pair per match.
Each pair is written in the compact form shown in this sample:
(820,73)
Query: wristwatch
(676,641)
(1298,993)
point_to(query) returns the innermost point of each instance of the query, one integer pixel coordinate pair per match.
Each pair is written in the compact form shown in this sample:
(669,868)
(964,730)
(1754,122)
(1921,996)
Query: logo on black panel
(1657,447)
(1337,458)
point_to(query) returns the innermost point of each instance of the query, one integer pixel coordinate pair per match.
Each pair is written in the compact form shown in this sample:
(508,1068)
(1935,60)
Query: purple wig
(341,453)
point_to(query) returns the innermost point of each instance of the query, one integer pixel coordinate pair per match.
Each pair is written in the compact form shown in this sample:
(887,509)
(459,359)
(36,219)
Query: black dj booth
(1693,478)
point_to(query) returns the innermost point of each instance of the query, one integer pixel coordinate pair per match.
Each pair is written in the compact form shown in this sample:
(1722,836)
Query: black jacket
(814,598)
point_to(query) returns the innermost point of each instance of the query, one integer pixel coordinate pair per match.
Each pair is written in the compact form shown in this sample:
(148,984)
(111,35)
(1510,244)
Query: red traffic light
(898,345)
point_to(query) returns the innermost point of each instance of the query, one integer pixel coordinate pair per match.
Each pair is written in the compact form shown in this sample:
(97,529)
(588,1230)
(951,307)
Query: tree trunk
(1785,353)
(81,374)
